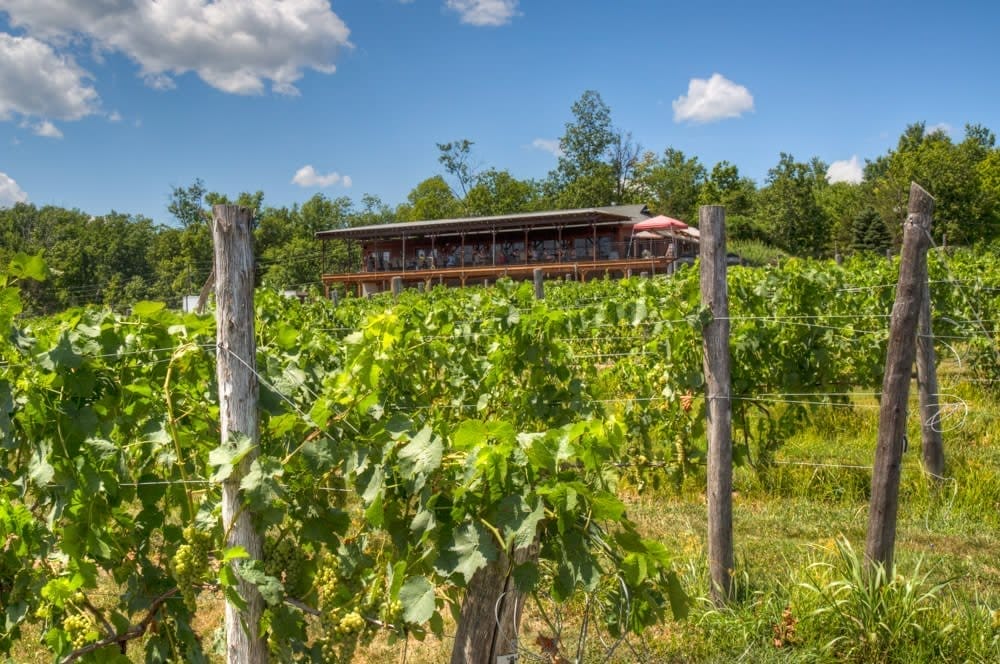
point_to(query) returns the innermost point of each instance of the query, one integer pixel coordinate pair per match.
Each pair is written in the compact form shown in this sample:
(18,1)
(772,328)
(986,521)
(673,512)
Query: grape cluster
(326,583)
(190,563)
(284,560)
(80,630)
(392,613)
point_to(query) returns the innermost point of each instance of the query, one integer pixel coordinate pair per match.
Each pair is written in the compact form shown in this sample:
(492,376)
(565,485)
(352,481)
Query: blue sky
(108,105)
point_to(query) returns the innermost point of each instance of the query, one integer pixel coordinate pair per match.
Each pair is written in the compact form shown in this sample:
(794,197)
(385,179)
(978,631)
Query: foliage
(788,207)
(956,174)
(869,233)
(672,183)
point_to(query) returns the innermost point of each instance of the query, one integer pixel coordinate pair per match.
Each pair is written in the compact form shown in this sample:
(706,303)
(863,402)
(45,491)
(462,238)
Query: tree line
(117,258)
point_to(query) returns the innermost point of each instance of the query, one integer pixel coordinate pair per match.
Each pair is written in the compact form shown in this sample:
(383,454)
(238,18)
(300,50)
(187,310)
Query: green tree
(843,203)
(498,192)
(584,176)
(869,232)
(725,186)
(672,184)
(951,172)
(187,204)
(789,207)
(456,157)
(431,199)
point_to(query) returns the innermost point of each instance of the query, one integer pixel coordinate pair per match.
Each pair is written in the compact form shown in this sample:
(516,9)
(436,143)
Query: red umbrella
(660,223)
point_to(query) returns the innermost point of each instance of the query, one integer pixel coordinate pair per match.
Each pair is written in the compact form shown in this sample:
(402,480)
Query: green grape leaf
(680,603)
(269,587)
(24,266)
(472,548)
(260,484)
(63,356)
(420,457)
(227,456)
(145,309)
(40,470)
(417,598)
(519,521)
(233,553)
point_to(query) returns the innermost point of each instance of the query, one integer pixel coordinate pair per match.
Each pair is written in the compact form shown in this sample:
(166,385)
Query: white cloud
(549,145)
(35,81)
(484,12)
(713,99)
(845,170)
(308,177)
(114,116)
(233,45)
(47,129)
(10,193)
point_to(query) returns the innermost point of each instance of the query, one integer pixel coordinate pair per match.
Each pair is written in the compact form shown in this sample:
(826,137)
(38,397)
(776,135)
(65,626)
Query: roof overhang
(605,216)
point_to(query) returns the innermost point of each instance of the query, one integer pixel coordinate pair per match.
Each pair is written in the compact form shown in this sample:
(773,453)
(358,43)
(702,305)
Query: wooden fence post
(932,443)
(881,537)
(539,276)
(397,286)
(714,295)
(238,390)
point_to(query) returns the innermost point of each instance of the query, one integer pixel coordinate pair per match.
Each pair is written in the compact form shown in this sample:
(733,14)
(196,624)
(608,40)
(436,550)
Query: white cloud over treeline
(845,170)
(308,177)
(10,193)
(712,99)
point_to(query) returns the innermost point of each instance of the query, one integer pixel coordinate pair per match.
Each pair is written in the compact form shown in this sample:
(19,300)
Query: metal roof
(611,215)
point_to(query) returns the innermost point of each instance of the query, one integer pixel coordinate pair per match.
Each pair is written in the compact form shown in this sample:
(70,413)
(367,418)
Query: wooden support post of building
(539,276)
(900,354)
(397,286)
(238,391)
(715,296)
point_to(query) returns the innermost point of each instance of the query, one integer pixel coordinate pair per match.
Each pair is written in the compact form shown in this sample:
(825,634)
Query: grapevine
(448,426)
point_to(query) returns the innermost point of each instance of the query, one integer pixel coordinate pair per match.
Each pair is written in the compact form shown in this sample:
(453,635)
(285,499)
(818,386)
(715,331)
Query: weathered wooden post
(715,296)
(238,390)
(397,286)
(881,537)
(932,443)
(539,276)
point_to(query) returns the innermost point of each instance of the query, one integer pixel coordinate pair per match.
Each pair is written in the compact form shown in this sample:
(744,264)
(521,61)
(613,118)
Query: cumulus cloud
(549,145)
(10,193)
(845,170)
(47,129)
(484,12)
(233,45)
(713,99)
(308,177)
(35,81)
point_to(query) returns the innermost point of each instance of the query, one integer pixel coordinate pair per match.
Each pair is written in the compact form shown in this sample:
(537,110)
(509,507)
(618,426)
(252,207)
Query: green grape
(326,583)
(80,630)
(284,560)
(392,613)
(190,563)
